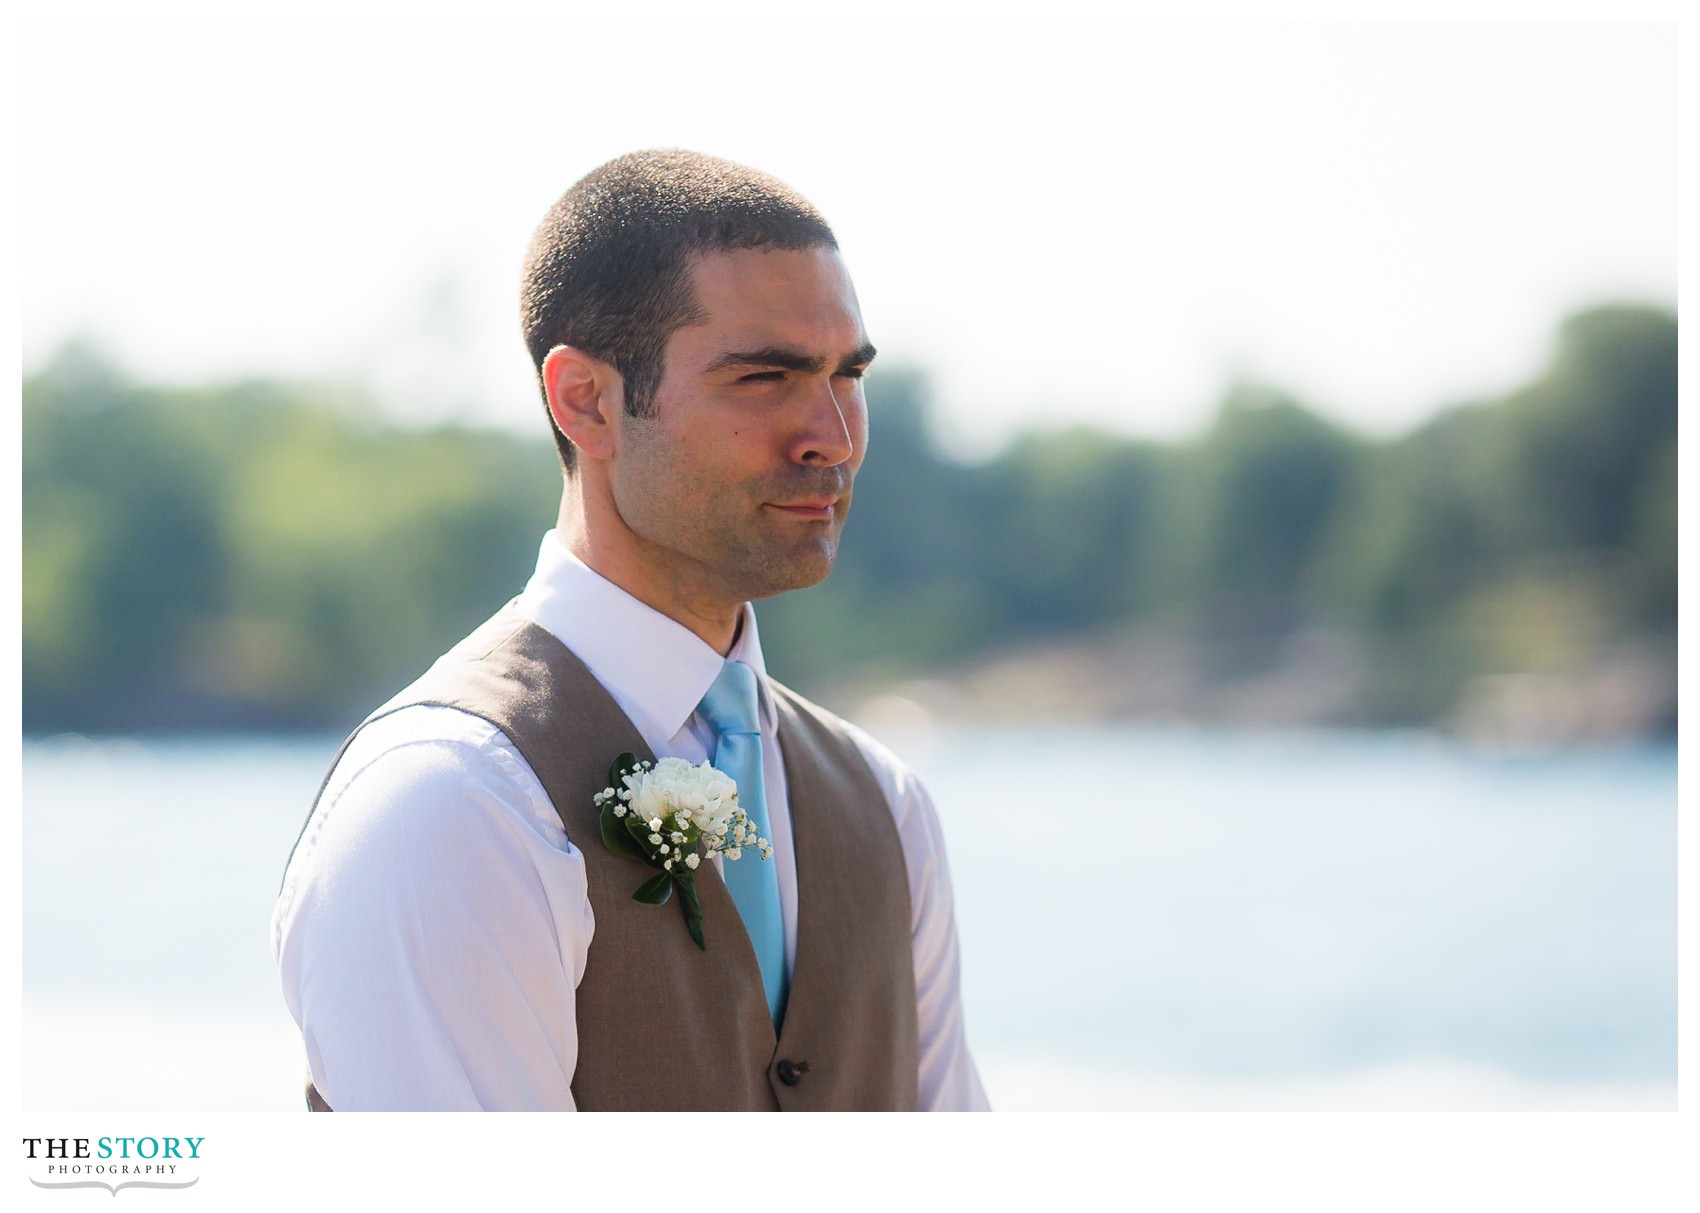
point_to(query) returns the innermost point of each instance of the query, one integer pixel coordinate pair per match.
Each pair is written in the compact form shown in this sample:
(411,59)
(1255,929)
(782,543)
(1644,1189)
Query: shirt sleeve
(949,1080)
(432,928)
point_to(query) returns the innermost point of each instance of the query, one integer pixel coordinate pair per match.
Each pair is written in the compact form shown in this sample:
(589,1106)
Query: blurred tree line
(268,555)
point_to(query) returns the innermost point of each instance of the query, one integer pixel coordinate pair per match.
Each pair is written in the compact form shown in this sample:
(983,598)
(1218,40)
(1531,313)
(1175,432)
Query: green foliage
(252,557)
(1592,426)
(265,555)
(1259,498)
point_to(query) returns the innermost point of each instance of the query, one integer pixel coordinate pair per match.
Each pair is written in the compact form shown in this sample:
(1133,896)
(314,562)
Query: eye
(762,377)
(854,372)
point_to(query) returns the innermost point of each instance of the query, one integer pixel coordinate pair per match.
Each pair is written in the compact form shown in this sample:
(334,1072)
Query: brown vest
(662,1024)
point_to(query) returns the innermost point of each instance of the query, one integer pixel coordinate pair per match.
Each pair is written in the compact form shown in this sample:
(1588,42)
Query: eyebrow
(785,358)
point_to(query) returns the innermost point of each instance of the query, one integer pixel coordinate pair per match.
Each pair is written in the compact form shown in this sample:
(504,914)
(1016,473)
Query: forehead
(754,298)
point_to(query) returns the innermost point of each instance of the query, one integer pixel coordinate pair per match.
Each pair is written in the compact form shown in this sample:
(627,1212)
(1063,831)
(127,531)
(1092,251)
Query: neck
(715,623)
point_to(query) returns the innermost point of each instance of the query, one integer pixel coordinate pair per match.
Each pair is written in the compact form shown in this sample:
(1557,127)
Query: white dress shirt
(434,921)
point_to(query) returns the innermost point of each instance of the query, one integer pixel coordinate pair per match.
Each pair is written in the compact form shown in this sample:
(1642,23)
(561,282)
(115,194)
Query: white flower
(699,795)
(674,806)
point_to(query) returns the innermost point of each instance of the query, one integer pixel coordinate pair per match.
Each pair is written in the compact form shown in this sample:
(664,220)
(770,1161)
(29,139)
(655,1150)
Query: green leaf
(655,892)
(616,837)
(691,906)
(621,768)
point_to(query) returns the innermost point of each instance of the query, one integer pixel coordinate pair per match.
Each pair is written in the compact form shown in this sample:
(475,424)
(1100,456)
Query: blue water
(1267,908)
(1185,906)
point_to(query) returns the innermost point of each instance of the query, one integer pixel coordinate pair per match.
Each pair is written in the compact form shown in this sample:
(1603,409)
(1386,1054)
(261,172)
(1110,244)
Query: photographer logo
(113,1163)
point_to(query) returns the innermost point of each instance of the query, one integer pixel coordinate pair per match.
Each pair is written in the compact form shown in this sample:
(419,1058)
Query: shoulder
(506,656)
(423,793)
(424,755)
(430,811)
(911,806)
(880,760)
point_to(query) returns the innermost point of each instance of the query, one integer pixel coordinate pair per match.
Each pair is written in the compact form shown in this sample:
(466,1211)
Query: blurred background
(1274,436)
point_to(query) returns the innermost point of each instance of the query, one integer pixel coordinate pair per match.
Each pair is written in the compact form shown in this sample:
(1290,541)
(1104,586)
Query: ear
(585,397)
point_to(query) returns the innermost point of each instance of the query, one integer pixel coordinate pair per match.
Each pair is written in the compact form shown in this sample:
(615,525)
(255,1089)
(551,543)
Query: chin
(798,573)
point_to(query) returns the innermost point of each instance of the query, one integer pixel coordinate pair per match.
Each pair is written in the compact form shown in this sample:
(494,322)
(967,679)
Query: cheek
(856,422)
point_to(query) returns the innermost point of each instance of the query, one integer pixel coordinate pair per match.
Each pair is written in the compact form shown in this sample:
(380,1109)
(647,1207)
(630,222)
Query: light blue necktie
(730,708)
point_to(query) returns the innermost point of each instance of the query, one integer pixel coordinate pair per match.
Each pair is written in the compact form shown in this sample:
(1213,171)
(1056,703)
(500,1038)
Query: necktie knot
(730,705)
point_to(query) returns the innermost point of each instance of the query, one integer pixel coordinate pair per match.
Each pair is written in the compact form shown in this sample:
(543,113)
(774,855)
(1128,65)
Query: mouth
(811,509)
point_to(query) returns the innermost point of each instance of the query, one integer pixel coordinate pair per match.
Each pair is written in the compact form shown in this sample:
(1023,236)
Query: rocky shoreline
(1316,678)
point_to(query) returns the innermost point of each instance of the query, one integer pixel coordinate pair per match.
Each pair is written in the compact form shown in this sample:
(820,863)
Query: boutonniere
(660,812)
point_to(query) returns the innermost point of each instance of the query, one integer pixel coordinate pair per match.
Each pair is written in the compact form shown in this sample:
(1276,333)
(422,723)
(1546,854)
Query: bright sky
(1058,223)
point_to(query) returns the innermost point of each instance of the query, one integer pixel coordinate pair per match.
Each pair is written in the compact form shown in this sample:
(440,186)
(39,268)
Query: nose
(827,435)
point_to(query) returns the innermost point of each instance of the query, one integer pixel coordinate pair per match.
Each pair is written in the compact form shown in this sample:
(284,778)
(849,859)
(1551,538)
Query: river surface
(1149,918)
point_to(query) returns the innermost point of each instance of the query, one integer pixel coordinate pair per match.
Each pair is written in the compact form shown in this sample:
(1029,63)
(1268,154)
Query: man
(453,932)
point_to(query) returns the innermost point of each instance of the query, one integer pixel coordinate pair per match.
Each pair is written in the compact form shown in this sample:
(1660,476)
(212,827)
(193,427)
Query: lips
(814,497)
(810,509)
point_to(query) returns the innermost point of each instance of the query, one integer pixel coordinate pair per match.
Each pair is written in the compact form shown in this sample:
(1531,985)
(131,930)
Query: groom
(452,932)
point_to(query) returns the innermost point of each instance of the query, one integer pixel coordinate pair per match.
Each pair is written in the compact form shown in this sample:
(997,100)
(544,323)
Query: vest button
(791,1072)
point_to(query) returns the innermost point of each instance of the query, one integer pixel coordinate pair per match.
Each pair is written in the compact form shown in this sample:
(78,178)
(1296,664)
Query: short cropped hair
(608,270)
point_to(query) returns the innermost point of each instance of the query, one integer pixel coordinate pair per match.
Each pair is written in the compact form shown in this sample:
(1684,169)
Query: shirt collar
(657,669)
